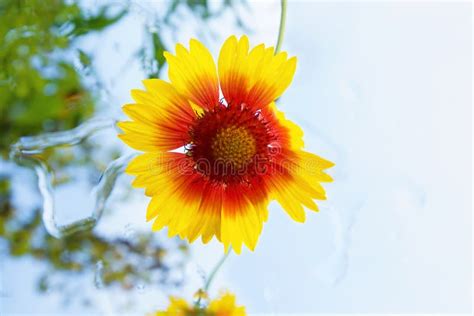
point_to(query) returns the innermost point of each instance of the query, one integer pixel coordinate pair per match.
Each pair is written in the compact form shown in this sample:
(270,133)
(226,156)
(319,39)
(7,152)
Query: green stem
(215,270)
(281,30)
(211,276)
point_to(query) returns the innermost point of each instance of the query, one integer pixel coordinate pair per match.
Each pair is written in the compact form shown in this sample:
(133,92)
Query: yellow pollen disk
(234,145)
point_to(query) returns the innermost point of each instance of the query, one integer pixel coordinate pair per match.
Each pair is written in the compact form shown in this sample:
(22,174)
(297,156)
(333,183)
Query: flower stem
(215,270)
(211,278)
(281,30)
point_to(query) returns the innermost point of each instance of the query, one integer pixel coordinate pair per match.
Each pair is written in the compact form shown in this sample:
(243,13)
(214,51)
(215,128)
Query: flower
(237,154)
(225,305)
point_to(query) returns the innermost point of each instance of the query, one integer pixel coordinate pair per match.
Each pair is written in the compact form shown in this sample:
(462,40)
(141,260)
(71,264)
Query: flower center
(234,145)
(230,144)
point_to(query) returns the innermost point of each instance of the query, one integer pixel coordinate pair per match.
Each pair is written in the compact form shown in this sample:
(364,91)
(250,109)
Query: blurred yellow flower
(225,305)
(240,151)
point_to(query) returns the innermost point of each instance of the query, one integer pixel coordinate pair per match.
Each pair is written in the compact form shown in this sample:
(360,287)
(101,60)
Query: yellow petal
(207,223)
(233,69)
(257,77)
(161,118)
(294,131)
(193,73)
(226,305)
(241,220)
(298,184)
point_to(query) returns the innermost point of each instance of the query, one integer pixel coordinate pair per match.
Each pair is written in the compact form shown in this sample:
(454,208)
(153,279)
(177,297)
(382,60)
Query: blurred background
(382,89)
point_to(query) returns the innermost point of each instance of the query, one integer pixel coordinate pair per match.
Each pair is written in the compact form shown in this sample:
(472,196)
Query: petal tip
(121,125)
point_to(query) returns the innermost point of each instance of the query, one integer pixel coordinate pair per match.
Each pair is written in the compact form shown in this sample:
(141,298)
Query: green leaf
(158,50)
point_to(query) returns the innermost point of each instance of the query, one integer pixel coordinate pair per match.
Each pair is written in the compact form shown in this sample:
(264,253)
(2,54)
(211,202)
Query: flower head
(225,305)
(240,151)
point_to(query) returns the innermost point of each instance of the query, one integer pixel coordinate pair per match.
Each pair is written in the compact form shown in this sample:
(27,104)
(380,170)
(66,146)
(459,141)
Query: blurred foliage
(158,55)
(151,54)
(40,89)
(202,9)
(126,261)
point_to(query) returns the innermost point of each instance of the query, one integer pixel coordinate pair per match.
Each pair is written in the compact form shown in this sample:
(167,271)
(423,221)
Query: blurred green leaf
(40,89)
(158,49)
(83,24)
(84,58)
